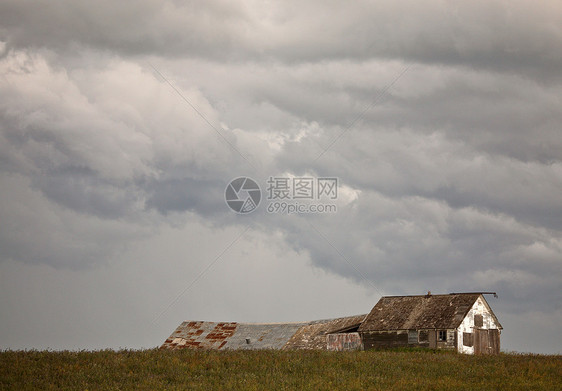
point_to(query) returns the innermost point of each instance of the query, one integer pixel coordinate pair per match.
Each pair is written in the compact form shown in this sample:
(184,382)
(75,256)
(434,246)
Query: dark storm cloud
(518,36)
(128,28)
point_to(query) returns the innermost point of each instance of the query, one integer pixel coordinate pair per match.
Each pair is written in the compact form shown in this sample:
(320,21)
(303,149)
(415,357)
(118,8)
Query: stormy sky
(121,124)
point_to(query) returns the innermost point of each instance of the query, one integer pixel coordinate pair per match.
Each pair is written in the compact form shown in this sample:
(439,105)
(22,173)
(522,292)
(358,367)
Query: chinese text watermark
(286,194)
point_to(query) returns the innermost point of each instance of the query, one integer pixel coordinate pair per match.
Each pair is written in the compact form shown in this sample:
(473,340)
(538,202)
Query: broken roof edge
(360,320)
(339,317)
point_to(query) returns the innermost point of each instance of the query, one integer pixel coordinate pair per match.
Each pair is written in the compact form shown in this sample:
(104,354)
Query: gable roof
(419,312)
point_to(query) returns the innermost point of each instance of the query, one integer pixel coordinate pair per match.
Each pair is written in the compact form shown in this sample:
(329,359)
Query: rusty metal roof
(419,312)
(231,335)
(200,335)
(262,336)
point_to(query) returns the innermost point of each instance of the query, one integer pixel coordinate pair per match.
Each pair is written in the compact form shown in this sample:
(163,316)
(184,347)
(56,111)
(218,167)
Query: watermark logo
(286,195)
(242,195)
(303,188)
(290,195)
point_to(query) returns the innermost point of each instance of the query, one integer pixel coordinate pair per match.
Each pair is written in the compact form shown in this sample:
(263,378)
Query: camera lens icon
(242,195)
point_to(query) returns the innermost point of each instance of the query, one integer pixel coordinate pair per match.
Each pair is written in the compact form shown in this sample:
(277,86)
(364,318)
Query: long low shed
(234,335)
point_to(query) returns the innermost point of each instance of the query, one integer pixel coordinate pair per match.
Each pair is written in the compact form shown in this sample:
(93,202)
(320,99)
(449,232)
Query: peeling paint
(344,341)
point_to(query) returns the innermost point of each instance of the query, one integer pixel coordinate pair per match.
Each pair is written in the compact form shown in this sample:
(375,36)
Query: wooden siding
(486,341)
(468,339)
(344,341)
(314,335)
(385,339)
(403,338)
(432,334)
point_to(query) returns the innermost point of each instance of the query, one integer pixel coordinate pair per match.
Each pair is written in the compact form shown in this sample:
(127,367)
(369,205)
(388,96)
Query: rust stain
(201,335)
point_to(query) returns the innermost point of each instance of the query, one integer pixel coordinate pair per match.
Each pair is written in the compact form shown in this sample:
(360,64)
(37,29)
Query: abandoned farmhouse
(458,321)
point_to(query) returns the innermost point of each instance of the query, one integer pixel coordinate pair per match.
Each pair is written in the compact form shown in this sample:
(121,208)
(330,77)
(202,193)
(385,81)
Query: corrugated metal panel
(200,335)
(231,335)
(262,336)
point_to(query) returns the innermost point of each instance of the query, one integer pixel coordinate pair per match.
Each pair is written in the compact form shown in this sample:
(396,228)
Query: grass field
(276,370)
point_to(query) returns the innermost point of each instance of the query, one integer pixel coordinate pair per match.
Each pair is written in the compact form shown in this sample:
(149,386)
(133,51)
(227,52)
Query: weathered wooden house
(457,321)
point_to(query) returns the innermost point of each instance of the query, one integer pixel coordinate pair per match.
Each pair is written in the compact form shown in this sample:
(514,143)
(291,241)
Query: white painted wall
(467,325)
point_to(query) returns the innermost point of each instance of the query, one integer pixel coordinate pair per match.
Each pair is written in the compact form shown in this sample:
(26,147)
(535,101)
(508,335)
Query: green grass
(276,370)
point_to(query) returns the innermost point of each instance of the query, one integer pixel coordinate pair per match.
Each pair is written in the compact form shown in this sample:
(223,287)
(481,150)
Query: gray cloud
(517,36)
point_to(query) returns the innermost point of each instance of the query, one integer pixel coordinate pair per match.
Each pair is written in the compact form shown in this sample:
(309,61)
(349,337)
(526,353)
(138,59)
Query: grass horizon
(157,369)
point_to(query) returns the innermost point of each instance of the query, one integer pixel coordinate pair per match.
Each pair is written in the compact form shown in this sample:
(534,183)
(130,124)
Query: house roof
(233,335)
(419,312)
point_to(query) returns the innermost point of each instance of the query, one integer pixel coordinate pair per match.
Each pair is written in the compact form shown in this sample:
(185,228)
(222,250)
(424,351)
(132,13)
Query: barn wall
(344,341)
(384,339)
(449,342)
(433,340)
(478,317)
(487,341)
(427,338)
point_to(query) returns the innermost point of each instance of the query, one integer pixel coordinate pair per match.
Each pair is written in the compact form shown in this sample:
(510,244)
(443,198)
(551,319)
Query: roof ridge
(439,294)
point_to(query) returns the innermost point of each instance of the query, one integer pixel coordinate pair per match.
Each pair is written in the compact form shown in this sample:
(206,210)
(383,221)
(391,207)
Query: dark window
(423,336)
(478,320)
(467,339)
(442,335)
